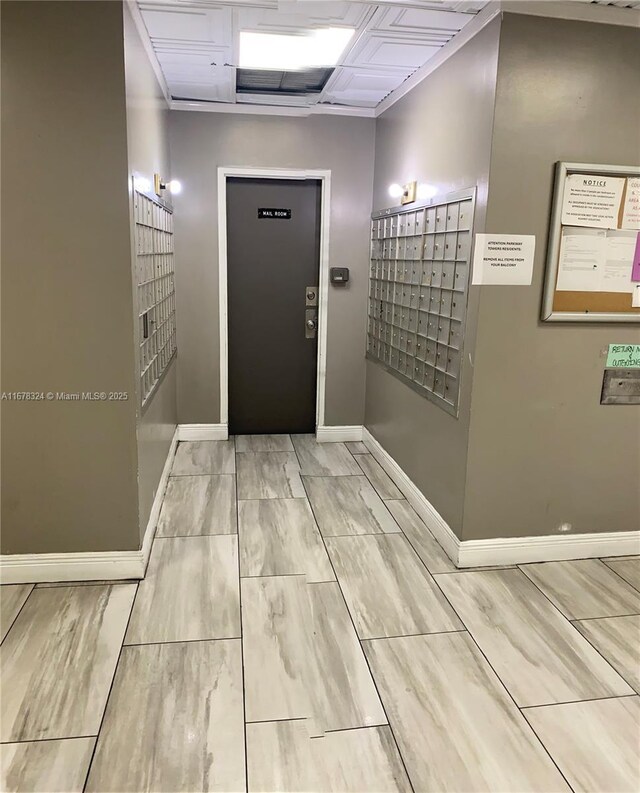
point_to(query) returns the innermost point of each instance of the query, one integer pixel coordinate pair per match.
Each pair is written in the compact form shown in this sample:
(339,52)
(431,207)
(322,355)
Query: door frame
(324,176)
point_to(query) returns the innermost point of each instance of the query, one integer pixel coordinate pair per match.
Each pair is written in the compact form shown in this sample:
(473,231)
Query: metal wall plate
(620,387)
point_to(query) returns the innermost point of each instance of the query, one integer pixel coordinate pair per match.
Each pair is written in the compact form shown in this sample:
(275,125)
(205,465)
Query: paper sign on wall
(596,260)
(503,259)
(631,208)
(623,356)
(592,200)
(635,267)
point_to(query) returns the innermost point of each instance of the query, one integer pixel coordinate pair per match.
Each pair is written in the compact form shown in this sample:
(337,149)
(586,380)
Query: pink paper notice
(635,269)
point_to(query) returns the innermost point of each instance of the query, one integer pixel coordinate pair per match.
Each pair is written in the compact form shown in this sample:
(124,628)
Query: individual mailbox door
(452,216)
(464,243)
(461,277)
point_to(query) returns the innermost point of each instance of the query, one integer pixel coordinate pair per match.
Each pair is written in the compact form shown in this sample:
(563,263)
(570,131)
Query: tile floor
(299,629)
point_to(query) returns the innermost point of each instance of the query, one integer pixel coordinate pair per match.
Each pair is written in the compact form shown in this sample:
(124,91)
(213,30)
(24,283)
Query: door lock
(311,296)
(310,323)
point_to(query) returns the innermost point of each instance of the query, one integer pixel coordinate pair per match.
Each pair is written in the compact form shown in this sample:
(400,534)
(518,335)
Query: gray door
(273,257)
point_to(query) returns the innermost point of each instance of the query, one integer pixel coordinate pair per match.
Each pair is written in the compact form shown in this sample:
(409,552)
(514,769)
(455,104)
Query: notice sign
(267,212)
(503,259)
(631,208)
(623,356)
(592,200)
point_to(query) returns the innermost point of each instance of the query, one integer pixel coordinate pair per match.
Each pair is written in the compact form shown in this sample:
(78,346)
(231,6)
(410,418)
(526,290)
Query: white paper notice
(582,259)
(503,259)
(592,201)
(616,275)
(631,209)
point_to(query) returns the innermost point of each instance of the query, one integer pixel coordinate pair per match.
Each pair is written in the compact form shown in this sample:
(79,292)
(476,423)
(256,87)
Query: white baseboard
(152,523)
(549,548)
(340,433)
(502,550)
(429,515)
(203,432)
(33,568)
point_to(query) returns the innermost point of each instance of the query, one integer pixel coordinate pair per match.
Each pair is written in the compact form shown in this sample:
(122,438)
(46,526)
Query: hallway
(299,629)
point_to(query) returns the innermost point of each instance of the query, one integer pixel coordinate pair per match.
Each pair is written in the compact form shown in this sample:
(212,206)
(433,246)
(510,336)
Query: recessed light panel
(316,48)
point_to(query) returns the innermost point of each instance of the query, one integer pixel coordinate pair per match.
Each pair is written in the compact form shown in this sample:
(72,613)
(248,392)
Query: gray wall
(68,468)
(148,152)
(200,142)
(542,449)
(439,133)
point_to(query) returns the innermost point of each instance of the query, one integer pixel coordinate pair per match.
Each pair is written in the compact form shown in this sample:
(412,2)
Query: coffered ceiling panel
(380,50)
(363,87)
(196,43)
(207,25)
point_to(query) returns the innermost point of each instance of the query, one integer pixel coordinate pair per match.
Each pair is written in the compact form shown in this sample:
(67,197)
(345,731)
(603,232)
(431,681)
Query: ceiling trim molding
(271,110)
(471,29)
(138,21)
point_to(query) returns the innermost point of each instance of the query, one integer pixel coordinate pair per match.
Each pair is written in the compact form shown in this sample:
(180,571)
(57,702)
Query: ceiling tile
(419,21)
(378,49)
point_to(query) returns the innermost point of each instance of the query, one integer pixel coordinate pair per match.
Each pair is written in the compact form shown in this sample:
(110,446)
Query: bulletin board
(593,244)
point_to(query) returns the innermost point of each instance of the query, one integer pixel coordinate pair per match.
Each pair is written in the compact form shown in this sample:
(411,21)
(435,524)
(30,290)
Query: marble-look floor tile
(356,447)
(629,569)
(282,758)
(12,599)
(387,588)
(195,505)
(379,479)
(269,475)
(174,721)
(275,624)
(280,537)
(343,694)
(348,505)
(302,658)
(324,459)
(618,640)
(539,656)
(584,588)
(424,543)
(57,661)
(594,744)
(190,591)
(45,766)
(204,457)
(457,728)
(263,443)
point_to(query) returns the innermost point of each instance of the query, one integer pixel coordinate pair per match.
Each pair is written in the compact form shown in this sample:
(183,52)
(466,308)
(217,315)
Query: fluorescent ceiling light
(316,48)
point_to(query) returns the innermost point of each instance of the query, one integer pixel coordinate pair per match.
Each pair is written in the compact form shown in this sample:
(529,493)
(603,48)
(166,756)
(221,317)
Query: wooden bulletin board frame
(564,306)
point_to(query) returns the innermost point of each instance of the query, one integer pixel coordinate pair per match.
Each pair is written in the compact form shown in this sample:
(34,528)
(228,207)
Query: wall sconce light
(406,192)
(174,186)
(158,184)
